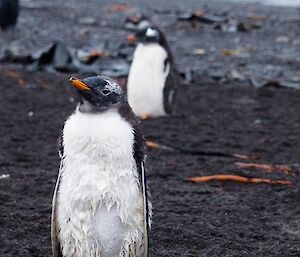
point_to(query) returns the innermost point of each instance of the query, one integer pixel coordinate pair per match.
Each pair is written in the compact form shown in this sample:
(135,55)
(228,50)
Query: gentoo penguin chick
(153,76)
(9,11)
(100,205)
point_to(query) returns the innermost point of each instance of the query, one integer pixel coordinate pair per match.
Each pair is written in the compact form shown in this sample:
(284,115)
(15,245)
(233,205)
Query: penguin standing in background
(100,205)
(153,76)
(9,11)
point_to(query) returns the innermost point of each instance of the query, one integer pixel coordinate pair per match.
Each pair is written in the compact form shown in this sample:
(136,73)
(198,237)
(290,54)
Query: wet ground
(216,112)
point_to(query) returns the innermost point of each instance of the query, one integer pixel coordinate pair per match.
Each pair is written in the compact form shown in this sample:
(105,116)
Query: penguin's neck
(104,139)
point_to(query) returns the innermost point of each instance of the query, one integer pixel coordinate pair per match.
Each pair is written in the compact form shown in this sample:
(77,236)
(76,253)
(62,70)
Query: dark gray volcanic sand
(210,219)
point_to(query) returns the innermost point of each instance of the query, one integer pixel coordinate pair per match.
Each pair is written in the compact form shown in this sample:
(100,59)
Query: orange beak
(79,84)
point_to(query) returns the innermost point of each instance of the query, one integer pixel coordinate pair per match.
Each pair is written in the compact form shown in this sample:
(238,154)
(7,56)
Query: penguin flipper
(56,250)
(170,89)
(140,156)
(147,208)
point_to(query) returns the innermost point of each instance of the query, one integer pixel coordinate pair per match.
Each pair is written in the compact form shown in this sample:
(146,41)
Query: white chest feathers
(100,208)
(146,80)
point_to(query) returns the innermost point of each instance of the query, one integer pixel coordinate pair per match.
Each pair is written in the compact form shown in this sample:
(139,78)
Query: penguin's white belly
(100,209)
(108,230)
(146,80)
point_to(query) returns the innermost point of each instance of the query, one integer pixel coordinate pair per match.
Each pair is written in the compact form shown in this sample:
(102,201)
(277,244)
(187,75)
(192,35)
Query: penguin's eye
(105,92)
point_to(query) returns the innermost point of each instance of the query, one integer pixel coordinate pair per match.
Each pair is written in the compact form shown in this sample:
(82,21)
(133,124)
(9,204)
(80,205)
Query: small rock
(282,39)
(62,57)
(217,75)
(235,75)
(137,21)
(257,121)
(84,32)
(88,21)
(199,51)
(4,176)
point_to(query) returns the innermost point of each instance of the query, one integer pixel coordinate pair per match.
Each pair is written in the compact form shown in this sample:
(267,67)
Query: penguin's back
(100,208)
(146,80)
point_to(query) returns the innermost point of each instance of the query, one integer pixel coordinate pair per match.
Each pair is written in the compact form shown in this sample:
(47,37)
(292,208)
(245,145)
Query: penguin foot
(238,179)
(131,38)
(266,167)
(145,116)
